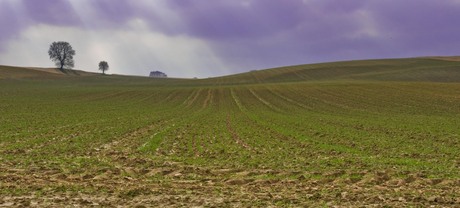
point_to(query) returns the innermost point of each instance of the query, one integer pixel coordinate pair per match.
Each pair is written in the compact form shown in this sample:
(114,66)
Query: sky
(206,38)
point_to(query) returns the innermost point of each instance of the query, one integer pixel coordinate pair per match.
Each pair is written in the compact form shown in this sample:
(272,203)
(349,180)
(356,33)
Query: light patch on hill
(446,58)
(49,70)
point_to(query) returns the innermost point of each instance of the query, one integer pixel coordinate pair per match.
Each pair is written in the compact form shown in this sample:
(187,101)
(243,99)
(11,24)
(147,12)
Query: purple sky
(201,38)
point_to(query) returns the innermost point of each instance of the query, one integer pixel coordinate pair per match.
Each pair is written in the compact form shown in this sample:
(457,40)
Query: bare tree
(62,54)
(103,66)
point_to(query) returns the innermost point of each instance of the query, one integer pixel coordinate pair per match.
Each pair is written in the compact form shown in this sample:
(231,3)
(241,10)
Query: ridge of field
(340,139)
(438,69)
(13,72)
(430,69)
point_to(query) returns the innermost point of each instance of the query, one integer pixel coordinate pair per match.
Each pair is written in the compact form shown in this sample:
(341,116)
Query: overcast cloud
(201,38)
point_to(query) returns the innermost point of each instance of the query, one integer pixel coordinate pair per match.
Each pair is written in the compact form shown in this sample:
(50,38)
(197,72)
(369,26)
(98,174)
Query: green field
(376,132)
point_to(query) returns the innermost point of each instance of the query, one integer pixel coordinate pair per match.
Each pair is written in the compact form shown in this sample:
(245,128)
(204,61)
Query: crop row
(299,126)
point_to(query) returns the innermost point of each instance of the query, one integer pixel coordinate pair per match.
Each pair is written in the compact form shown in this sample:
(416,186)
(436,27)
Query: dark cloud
(420,27)
(238,19)
(116,11)
(16,16)
(54,12)
(9,25)
(269,33)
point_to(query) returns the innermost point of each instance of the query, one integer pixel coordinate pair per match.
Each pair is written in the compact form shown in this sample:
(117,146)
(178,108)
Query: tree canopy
(62,54)
(103,66)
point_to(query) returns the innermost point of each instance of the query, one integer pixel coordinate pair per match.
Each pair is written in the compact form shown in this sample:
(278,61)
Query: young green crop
(155,135)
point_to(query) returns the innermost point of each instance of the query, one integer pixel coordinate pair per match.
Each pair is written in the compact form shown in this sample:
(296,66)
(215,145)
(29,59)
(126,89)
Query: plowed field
(127,141)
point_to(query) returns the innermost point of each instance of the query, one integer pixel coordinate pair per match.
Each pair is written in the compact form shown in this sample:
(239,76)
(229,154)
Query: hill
(12,72)
(428,69)
(436,69)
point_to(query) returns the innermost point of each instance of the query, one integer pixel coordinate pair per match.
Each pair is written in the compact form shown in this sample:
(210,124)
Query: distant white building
(158,74)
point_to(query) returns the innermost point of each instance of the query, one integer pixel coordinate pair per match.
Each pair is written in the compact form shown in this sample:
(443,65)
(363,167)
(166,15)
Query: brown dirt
(235,135)
(141,182)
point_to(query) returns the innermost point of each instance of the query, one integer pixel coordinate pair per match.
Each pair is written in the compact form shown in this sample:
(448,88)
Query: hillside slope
(425,69)
(13,72)
(436,69)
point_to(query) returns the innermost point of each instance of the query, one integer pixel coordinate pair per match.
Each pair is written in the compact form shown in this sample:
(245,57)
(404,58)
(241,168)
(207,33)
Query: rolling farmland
(376,132)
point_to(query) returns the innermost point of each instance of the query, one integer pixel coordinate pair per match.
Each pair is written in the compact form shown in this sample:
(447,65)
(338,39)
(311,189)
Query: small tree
(62,54)
(103,66)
